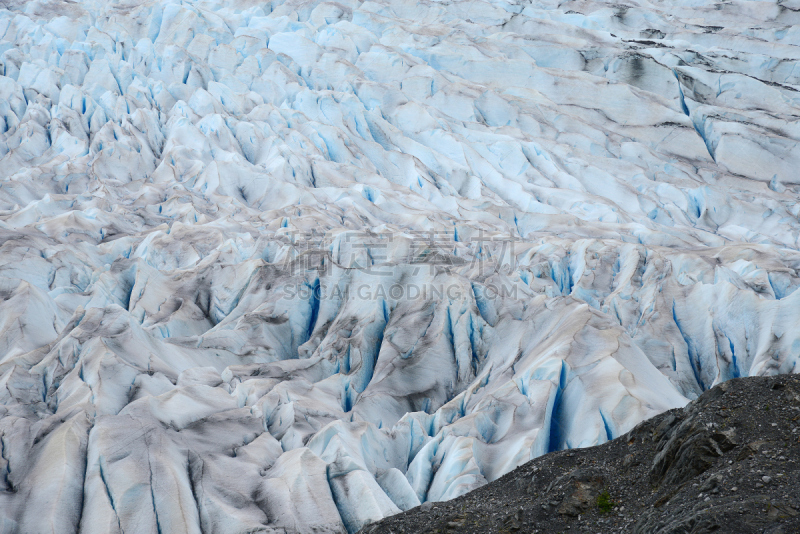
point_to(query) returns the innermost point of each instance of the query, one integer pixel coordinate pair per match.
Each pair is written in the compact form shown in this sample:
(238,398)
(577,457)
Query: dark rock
(687,450)
(712,483)
(513,522)
(781,511)
(750,449)
(695,470)
(630,461)
(584,485)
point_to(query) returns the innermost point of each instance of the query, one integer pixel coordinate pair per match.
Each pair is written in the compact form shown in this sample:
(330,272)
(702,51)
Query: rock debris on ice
(298,266)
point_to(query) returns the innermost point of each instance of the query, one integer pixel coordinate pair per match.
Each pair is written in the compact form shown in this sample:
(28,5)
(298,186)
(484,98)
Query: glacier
(296,266)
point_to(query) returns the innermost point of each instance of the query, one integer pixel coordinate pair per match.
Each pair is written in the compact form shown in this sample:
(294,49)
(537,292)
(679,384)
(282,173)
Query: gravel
(714,465)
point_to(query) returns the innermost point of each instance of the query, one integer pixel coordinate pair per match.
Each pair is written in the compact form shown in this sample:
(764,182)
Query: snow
(297,266)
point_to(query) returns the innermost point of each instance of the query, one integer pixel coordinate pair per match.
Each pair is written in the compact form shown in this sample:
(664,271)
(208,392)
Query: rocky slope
(727,462)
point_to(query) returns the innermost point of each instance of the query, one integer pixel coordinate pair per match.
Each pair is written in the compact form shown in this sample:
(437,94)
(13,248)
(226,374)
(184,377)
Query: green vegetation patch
(604,502)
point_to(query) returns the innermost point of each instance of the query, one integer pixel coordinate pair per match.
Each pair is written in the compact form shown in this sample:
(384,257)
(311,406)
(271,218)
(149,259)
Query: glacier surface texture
(298,266)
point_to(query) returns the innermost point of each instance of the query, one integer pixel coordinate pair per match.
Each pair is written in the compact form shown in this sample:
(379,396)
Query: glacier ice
(294,266)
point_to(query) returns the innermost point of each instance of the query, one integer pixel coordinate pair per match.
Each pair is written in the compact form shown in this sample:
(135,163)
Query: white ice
(207,208)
